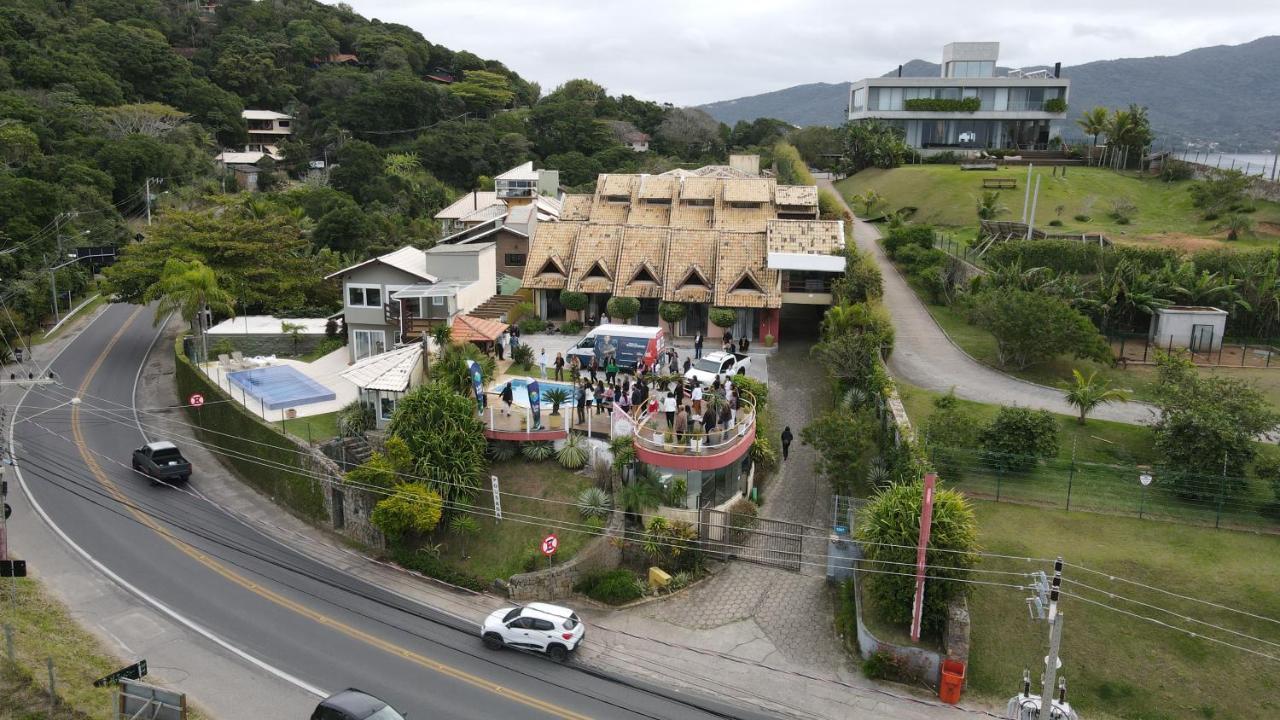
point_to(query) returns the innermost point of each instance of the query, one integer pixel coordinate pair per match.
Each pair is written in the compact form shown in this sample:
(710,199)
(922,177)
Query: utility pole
(1026,198)
(147,192)
(1031,219)
(1051,661)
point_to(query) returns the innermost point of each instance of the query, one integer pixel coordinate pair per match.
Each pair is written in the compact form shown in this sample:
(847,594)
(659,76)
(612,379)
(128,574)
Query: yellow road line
(278,599)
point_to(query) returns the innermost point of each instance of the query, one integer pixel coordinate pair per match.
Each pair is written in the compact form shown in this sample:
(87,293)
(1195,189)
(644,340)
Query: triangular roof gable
(553,266)
(695,278)
(644,273)
(598,270)
(746,282)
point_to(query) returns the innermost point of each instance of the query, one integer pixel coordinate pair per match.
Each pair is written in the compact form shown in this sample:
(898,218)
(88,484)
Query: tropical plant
(594,503)
(1238,224)
(453,367)
(869,202)
(723,317)
(672,543)
(538,450)
(988,205)
(623,308)
(522,357)
(189,289)
(294,331)
(623,450)
(412,509)
(872,143)
(573,454)
(445,438)
(889,525)
(557,397)
(521,311)
(442,334)
(355,418)
(1094,122)
(503,450)
(1087,393)
(641,494)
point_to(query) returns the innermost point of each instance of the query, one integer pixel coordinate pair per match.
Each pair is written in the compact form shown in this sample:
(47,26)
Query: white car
(707,368)
(546,628)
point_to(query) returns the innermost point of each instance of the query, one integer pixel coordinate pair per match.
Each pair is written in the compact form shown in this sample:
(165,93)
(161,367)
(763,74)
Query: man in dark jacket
(787,437)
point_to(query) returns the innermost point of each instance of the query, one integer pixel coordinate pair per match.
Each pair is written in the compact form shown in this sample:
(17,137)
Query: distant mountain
(1228,94)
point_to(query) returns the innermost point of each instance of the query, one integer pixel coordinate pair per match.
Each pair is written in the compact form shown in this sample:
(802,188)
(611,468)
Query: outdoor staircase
(496,307)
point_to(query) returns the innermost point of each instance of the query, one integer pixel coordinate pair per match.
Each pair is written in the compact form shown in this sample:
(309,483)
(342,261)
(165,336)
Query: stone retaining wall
(600,553)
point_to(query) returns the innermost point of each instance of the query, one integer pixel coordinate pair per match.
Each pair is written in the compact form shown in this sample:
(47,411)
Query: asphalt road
(321,626)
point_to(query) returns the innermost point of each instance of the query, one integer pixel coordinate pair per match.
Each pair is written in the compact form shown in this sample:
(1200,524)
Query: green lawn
(315,428)
(41,338)
(505,547)
(1117,664)
(945,196)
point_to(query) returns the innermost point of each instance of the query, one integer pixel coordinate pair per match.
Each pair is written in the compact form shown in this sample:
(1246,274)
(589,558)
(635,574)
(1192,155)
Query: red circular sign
(196,400)
(549,544)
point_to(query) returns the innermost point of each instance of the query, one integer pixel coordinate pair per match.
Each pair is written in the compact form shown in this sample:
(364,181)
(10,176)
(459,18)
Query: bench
(1000,183)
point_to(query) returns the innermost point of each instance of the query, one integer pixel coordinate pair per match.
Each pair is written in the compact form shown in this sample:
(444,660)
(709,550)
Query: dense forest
(97,97)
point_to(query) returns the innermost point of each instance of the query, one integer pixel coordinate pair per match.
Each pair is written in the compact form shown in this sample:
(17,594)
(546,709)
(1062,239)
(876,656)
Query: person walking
(580,402)
(512,342)
(697,345)
(787,437)
(559,366)
(506,398)
(542,362)
(515,336)
(744,344)
(501,345)
(653,406)
(674,366)
(588,399)
(669,407)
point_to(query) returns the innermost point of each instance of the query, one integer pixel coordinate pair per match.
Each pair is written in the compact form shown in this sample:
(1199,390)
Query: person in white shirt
(542,362)
(696,396)
(669,407)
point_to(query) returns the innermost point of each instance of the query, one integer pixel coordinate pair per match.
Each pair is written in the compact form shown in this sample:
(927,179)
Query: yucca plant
(878,476)
(502,450)
(573,454)
(594,503)
(539,451)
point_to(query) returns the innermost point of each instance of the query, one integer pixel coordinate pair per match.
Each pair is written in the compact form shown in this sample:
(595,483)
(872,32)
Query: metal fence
(1217,500)
(755,539)
(1231,352)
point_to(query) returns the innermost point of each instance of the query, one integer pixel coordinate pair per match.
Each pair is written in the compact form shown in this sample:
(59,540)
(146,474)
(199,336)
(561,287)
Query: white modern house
(968,107)
(267,129)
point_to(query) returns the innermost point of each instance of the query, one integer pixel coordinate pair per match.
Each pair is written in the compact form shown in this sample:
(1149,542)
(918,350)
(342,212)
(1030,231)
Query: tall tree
(191,290)
(1094,122)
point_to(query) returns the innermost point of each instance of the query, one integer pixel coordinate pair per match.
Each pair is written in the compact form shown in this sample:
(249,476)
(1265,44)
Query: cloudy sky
(696,51)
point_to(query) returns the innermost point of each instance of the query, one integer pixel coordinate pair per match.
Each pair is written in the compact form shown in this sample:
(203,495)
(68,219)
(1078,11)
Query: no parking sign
(550,544)
(196,400)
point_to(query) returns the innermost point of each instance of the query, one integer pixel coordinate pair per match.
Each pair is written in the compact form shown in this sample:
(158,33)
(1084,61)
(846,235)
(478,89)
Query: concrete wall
(600,553)
(356,506)
(510,243)
(254,344)
(1173,328)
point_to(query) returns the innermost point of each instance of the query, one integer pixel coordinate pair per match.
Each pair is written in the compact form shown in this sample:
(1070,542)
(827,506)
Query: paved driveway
(923,355)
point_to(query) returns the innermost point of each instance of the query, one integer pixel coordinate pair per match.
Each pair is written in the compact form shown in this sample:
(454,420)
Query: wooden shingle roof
(691,258)
(550,255)
(743,277)
(595,259)
(641,262)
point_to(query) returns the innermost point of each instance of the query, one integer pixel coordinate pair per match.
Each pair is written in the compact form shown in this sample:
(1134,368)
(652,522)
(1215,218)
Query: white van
(630,345)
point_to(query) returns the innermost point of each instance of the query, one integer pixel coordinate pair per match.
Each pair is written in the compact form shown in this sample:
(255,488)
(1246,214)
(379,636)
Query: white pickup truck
(706,369)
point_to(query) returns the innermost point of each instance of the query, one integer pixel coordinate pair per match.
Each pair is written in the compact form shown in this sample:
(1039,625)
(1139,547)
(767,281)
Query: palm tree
(989,205)
(189,289)
(1093,122)
(1086,394)
(1238,224)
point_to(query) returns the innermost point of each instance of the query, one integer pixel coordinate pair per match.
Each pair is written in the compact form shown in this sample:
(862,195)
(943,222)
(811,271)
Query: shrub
(1055,223)
(413,509)
(521,311)
(445,437)
(355,419)
(1220,192)
(672,312)
(913,234)
(672,545)
(573,454)
(1176,170)
(428,564)
(1122,210)
(531,325)
(1031,327)
(914,258)
(522,357)
(1055,105)
(613,587)
(623,308)
(882,666)
(743,516)
(594,503)
(1017,437)
(723,317)
(1082,218)
(224,347)
(502,450)
(969,104)
(539,451)
(572,327)
(572,300)
(753,389)
(889,525)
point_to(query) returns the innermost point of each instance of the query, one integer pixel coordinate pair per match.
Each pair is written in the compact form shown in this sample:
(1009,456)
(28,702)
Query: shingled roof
(641,261)
(758,190)
(691,266)
(595,259)
(811,237)
(699,188)
(550,254)
(743,275)
(575,207)
(802,195)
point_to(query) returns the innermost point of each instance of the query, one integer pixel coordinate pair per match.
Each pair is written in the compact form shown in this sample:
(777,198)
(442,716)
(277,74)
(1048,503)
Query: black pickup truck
(162,462)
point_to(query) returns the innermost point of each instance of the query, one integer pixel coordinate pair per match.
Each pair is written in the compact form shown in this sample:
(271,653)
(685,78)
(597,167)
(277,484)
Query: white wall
(1176,328)
(486,285)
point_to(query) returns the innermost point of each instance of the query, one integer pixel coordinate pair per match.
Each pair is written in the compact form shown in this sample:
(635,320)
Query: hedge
(247,442)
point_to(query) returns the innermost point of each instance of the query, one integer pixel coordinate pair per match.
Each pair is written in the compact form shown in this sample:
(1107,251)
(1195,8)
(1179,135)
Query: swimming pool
(520,392)
(280,386)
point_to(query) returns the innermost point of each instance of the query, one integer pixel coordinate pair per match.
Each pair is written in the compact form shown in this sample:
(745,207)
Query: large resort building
(720,236)
(968,107)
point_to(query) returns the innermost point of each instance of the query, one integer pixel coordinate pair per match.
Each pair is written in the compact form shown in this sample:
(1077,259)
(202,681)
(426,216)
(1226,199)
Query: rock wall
(349,510)
(600,553)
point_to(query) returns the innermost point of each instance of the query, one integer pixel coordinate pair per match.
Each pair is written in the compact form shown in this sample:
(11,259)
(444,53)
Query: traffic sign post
(136,671)
(1145,480)
(196,400)
(13,568)
(497,498)
(550,544)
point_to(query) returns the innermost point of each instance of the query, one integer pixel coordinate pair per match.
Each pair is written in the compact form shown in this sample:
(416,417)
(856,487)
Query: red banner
(926,521)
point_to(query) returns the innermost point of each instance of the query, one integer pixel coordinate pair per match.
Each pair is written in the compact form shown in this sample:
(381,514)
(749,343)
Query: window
(743,205)
(657,201)
(514,259)
(387,407)
(364,296)
(368,342)
(544,625)
(624,199)
(699,202)
(437,301)
(511,615)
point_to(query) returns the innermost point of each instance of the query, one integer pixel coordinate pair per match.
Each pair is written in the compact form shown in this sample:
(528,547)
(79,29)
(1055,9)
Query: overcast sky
(696,51)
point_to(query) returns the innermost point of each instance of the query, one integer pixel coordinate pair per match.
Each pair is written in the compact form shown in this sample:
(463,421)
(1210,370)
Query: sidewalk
(748,636)
(925,356)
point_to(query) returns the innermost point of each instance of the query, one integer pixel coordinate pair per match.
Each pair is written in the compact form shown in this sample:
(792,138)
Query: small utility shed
(1197,328)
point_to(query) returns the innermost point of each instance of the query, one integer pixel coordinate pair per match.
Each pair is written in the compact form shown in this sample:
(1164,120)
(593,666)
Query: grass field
(316,428)
(945,196)
(505,547)
(1120,665)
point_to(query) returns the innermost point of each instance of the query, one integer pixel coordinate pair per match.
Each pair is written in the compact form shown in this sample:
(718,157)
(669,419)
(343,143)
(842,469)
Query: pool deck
(325,371)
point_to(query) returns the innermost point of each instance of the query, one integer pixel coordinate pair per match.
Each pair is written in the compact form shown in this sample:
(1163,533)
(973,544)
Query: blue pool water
(520,392)
(280,386)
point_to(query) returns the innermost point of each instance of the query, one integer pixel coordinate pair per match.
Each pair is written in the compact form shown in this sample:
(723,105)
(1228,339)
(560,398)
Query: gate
(744,537)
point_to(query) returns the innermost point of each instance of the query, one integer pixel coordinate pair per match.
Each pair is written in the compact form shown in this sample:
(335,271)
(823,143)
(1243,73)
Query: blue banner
(477,381)
(535,402)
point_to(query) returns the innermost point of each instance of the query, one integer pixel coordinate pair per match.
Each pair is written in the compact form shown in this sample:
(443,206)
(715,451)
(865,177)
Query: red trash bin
(952,681)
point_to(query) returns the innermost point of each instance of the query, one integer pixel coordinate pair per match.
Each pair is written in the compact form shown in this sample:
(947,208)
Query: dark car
(352,704)
(162,462)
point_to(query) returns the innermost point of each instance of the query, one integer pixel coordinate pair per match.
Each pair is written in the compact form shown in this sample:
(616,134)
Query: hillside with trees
(98,97)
